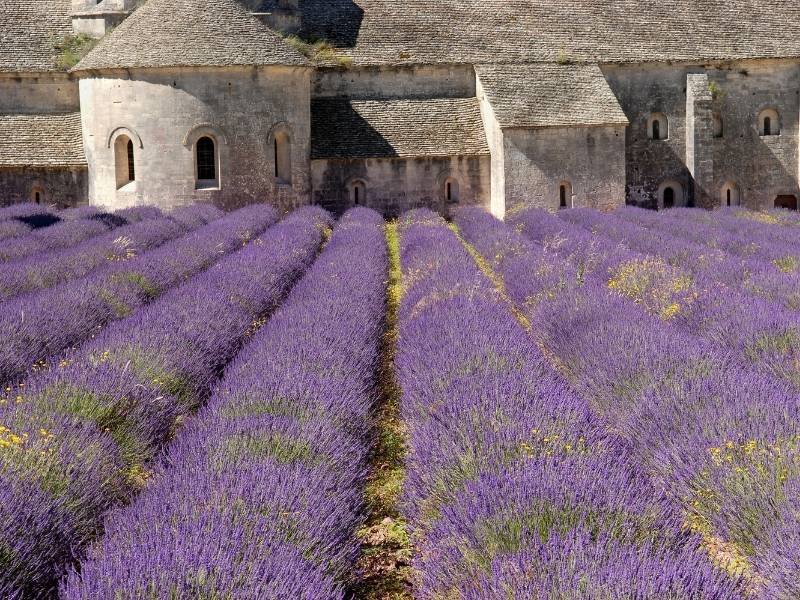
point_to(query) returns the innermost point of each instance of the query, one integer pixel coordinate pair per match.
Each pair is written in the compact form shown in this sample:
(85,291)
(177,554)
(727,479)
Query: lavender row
(279,456)
(514,487)
(61,235)
(47,269)
(763,249)
(36,326)
(719,437)
(26,209)
(18,226)
(718,299)
(76,440)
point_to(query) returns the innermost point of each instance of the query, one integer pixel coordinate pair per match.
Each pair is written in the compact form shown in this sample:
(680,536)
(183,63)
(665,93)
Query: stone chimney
(281,15)
(95,18)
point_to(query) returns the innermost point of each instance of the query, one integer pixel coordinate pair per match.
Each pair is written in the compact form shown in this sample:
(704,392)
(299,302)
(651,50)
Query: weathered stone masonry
(409,104)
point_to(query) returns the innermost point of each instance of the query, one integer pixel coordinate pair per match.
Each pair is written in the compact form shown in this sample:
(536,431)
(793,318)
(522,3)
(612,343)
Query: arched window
(769,122)
(282,149)
(124,161)
(37,194)
(658,127)
(206,157)
(670,194)
(451,191)
(358,193)
(729,194)
(565,194)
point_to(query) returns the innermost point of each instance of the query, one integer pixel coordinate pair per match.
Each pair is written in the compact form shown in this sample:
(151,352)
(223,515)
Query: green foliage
(274,446)
(716,91)
(72,48)
(319,51)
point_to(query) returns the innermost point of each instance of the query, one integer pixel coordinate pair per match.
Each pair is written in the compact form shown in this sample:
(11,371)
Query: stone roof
(196,33)
(550,95)
(343,128)
(28,32)
(482,31)
(41,141)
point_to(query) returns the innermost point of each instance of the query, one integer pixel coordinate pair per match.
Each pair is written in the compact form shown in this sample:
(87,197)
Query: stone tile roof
(28,31)
(213,33)
(343,128)
(41,141)
(481,31)
(550,95)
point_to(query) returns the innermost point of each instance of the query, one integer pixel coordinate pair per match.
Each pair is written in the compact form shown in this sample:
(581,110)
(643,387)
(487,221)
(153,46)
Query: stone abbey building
(401,103)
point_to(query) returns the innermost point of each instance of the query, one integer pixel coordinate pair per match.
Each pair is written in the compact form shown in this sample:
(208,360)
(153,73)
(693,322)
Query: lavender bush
(506,461)
(718,436)
(78,437)
(39,325)
(279,455)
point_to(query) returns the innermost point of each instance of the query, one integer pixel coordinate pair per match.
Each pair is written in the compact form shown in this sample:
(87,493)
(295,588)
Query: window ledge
(128,187)
(207,184)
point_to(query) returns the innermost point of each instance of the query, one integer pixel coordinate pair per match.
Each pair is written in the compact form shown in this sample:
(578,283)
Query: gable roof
(28,31)
(343,128)
(41,141)
(192,33)
(547,95)
(484,31)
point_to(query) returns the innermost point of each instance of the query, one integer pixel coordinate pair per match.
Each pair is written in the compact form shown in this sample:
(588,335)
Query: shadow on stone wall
(337,21)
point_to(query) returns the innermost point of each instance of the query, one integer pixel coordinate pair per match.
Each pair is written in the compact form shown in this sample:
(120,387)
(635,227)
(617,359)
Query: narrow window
(38,197)
(451,191)
(656,130)
(358,193)
(728,193)
(275,157)
(283,158)
(124,161)
(767,126)
(206,159)
(131,168)
(563,196)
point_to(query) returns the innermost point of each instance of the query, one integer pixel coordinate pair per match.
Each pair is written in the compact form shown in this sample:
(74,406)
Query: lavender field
(252,405)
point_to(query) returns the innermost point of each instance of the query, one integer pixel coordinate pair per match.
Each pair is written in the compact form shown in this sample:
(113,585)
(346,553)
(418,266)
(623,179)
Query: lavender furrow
(39,325)
(267,483)
(77,439)
(720,437)
(514,487)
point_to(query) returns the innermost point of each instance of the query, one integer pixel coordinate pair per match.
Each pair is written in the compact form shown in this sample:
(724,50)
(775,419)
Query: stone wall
(494,137)
(422,81)
(590,161)
(394,185)
(38,93)
(760,167)
(62,187)
(164,112)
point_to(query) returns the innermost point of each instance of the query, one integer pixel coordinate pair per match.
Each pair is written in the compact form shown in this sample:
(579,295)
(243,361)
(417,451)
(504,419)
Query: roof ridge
(190,33)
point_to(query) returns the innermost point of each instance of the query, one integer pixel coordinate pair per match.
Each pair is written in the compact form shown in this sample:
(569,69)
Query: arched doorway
(669,197)
(729,195)
(788,201)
